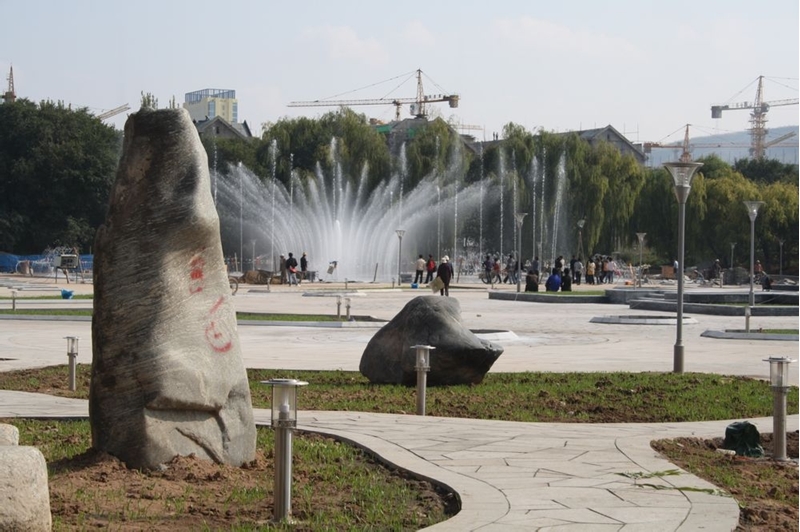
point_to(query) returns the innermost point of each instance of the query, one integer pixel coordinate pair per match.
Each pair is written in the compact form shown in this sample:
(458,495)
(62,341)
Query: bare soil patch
(766,490)
(94,490)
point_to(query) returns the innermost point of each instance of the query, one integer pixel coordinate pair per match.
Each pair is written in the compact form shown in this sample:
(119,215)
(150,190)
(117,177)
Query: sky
(648,68)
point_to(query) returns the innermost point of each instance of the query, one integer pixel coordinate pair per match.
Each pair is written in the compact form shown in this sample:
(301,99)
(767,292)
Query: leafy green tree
(778,220)
(306,142)
(428,151)
(725,194)
(58,167)
(767,170)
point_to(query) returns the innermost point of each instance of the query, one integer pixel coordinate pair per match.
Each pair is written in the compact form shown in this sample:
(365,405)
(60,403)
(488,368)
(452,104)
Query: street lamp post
(581,223)
(780,266)
(640,236)
(682,175)
(400,233)
(519,217)
(733,245)
(752,212)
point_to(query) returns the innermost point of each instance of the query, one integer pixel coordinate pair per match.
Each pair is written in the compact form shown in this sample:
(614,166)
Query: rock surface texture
(24,492)
(460,357)
(167,372)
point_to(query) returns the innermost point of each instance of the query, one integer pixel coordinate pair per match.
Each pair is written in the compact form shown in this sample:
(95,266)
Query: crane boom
(113,112)
(418,103)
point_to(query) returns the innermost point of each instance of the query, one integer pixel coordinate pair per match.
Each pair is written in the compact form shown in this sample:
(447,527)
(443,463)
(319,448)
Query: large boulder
(167,372)
(460,357)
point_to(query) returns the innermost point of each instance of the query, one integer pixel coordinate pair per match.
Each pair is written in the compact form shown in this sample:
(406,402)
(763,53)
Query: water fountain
(335,220)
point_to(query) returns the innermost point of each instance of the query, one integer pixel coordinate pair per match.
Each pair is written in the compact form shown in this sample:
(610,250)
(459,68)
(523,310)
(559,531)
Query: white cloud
(417,34)
(343,44)
(543,35)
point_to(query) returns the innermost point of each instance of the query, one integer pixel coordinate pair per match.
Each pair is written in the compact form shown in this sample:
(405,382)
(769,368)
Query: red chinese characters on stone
(219,340)
(196,275)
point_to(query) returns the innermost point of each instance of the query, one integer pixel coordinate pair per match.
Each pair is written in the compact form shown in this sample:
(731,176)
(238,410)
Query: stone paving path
(516,476)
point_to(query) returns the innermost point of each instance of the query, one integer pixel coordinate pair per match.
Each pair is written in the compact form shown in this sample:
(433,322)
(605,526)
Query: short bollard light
(72,353)
(747,313)
(347,307)
(779,381)
(423,366)
(13,300)
(338,307)
(284,420)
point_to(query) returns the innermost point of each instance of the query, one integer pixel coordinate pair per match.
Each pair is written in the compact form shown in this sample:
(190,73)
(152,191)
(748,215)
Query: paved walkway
(510,476)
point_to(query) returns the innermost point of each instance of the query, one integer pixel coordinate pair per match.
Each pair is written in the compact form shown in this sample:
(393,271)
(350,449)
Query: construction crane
(113,112)
(758,117)
(10,96)
(686,146)
(418,103)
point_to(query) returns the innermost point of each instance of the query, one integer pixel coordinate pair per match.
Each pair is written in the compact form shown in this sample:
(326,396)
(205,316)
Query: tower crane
(758,117)
(418,103)
(10,96)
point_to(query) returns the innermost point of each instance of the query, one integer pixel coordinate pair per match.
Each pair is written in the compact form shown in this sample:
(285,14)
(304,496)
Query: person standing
(291,268)
(488,264)
(717,271)
(445,274)
(283,268)
(420,269)
(303,267)
(431,267)
(590,267)
(578,271)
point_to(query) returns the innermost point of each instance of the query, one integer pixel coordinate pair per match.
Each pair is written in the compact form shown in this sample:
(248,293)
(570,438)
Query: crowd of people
(599,269)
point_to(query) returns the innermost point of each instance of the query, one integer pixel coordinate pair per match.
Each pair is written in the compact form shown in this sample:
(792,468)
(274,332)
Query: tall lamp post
(581,222)
(752,212)
(682,175)
(519,217)
(780,266)
(400,233)
(640,236)
(733,245)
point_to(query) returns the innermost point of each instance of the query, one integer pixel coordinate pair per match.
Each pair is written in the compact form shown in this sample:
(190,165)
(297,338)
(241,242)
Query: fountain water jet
(333,219)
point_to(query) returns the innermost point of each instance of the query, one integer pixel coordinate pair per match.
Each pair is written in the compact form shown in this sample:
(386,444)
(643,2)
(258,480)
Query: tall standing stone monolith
(167,372)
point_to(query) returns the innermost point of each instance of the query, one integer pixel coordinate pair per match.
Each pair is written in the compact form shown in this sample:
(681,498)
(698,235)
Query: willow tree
(305,142)
(588,186)
(779,221)
(725,192)
(428,151)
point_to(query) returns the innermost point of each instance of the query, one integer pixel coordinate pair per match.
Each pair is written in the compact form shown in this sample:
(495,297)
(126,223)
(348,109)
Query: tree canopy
(57,167)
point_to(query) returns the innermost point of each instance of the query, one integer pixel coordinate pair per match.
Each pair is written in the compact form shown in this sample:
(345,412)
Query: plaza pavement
(509,476)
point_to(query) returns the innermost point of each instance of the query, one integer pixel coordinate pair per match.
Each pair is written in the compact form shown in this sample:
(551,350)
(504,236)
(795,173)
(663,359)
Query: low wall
(543,297)
(718,310)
